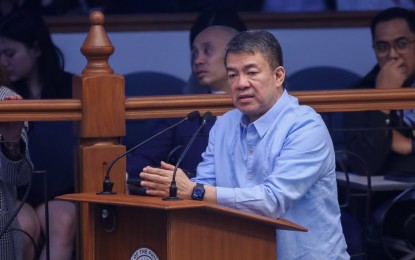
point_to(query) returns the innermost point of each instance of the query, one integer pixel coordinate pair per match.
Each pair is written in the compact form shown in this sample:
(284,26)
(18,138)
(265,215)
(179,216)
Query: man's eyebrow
(246,67)
(394,40)
(250,66)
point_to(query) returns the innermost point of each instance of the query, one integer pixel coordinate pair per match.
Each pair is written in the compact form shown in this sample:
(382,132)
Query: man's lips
(244,97)
(200,73)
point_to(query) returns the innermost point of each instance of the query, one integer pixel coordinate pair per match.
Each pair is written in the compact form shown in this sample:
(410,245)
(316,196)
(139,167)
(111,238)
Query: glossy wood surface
(176,230)
(184,21)
(171,106)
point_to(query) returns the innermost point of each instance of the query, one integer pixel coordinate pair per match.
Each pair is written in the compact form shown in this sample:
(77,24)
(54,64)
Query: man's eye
(382,46)
(208,51)
(402,44)
(252,73)
(231,76)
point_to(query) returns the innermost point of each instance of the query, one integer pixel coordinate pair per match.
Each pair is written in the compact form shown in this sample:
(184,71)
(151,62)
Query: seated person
(387,143)
(14,171)
(35,70)
(270,156)
(209,36)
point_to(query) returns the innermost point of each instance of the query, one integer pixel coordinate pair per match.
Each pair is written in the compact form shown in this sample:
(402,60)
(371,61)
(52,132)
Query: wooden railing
(184,21)
(171,106)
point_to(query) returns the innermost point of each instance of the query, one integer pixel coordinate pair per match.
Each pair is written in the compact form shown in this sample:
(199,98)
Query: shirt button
(250,150)
(250,176)
(387,121)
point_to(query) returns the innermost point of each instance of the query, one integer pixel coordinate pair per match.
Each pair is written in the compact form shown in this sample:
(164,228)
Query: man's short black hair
(391,14)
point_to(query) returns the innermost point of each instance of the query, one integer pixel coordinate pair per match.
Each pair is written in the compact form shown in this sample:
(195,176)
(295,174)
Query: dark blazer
(169,146)
(371,137)
(51,147)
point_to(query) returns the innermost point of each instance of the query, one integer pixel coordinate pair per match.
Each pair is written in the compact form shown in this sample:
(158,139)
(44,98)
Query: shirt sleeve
(18,172)
(288,166)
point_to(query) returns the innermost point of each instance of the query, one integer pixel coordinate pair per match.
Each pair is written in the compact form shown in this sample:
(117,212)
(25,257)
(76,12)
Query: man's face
(18,60)
(397,35)
(207,56)
(255,87)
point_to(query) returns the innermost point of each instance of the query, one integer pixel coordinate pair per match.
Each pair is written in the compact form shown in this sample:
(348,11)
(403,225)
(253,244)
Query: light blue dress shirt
(280,166)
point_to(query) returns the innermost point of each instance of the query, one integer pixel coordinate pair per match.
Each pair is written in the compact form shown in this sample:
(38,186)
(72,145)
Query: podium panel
(121,226)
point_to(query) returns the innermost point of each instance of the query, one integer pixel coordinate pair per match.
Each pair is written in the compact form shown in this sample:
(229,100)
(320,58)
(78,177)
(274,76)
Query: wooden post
(103,123)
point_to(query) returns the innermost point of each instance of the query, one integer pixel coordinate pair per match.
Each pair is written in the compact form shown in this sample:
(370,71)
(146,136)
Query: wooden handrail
(171,106)
(184,21)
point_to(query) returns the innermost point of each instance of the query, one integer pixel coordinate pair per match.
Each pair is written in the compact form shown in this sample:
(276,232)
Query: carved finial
(96,18)
(97,47)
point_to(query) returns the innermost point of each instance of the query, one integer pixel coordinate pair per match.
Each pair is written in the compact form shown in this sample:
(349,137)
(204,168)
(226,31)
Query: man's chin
(204,82)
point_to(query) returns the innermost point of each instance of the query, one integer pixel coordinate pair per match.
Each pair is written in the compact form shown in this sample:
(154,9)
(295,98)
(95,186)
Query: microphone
(173,188)
(107,184)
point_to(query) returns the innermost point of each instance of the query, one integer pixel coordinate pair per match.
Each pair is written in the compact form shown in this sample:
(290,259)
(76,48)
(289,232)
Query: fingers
(167,166)
(17,97)
(156,180)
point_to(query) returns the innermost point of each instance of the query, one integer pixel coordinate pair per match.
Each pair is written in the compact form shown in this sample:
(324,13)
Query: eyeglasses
(400,45)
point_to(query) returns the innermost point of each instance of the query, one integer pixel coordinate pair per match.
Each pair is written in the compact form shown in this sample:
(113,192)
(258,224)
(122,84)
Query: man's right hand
(392,74)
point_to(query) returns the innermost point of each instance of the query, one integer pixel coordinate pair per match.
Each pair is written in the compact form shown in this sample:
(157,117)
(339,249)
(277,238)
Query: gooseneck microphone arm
(173,188)
(107,184)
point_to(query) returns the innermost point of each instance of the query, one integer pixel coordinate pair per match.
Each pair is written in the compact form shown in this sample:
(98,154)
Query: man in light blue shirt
(270,156)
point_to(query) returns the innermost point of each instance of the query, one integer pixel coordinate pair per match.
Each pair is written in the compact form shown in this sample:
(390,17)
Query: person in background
(212,30)
(14,171)
(384,140)
(269,156)
(387,146)
(214,16)
(35,69)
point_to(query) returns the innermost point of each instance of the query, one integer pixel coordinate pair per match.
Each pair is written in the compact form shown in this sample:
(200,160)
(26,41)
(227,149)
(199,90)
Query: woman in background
(35,69)
(14,171)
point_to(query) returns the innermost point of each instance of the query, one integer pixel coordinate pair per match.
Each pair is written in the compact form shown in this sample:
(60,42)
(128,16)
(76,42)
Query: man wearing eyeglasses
(387,144)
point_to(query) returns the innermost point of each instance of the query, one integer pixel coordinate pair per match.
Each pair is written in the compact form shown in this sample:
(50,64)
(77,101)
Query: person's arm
(158,181)
(401,144)
(14,169)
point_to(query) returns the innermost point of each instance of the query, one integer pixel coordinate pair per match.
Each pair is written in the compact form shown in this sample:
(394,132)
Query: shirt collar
(263,123)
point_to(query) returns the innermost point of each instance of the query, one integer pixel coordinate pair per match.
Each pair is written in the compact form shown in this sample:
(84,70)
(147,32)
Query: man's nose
(198,59)
(393,53)
(243,81)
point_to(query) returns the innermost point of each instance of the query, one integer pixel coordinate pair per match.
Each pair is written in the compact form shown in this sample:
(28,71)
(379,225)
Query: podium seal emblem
(144,253)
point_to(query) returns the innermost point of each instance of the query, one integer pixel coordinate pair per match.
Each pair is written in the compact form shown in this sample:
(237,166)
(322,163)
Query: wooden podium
(139,227)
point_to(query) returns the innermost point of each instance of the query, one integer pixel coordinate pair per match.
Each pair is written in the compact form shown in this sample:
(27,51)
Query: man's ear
(279,73)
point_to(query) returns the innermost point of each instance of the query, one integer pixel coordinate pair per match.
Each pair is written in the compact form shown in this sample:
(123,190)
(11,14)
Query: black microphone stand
(107,184)
(173,186)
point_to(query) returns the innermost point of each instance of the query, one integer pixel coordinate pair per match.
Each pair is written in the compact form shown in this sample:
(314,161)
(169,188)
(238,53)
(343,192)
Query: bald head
(207,56)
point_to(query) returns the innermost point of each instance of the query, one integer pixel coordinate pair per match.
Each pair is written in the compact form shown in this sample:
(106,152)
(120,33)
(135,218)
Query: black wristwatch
(198,192)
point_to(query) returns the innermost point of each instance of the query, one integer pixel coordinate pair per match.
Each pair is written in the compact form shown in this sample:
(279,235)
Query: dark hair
(391,14)
(257,41)
(29,29)
(220,16)
(4,79)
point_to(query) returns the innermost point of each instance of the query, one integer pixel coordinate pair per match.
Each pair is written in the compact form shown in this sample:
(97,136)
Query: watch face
(198,192)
